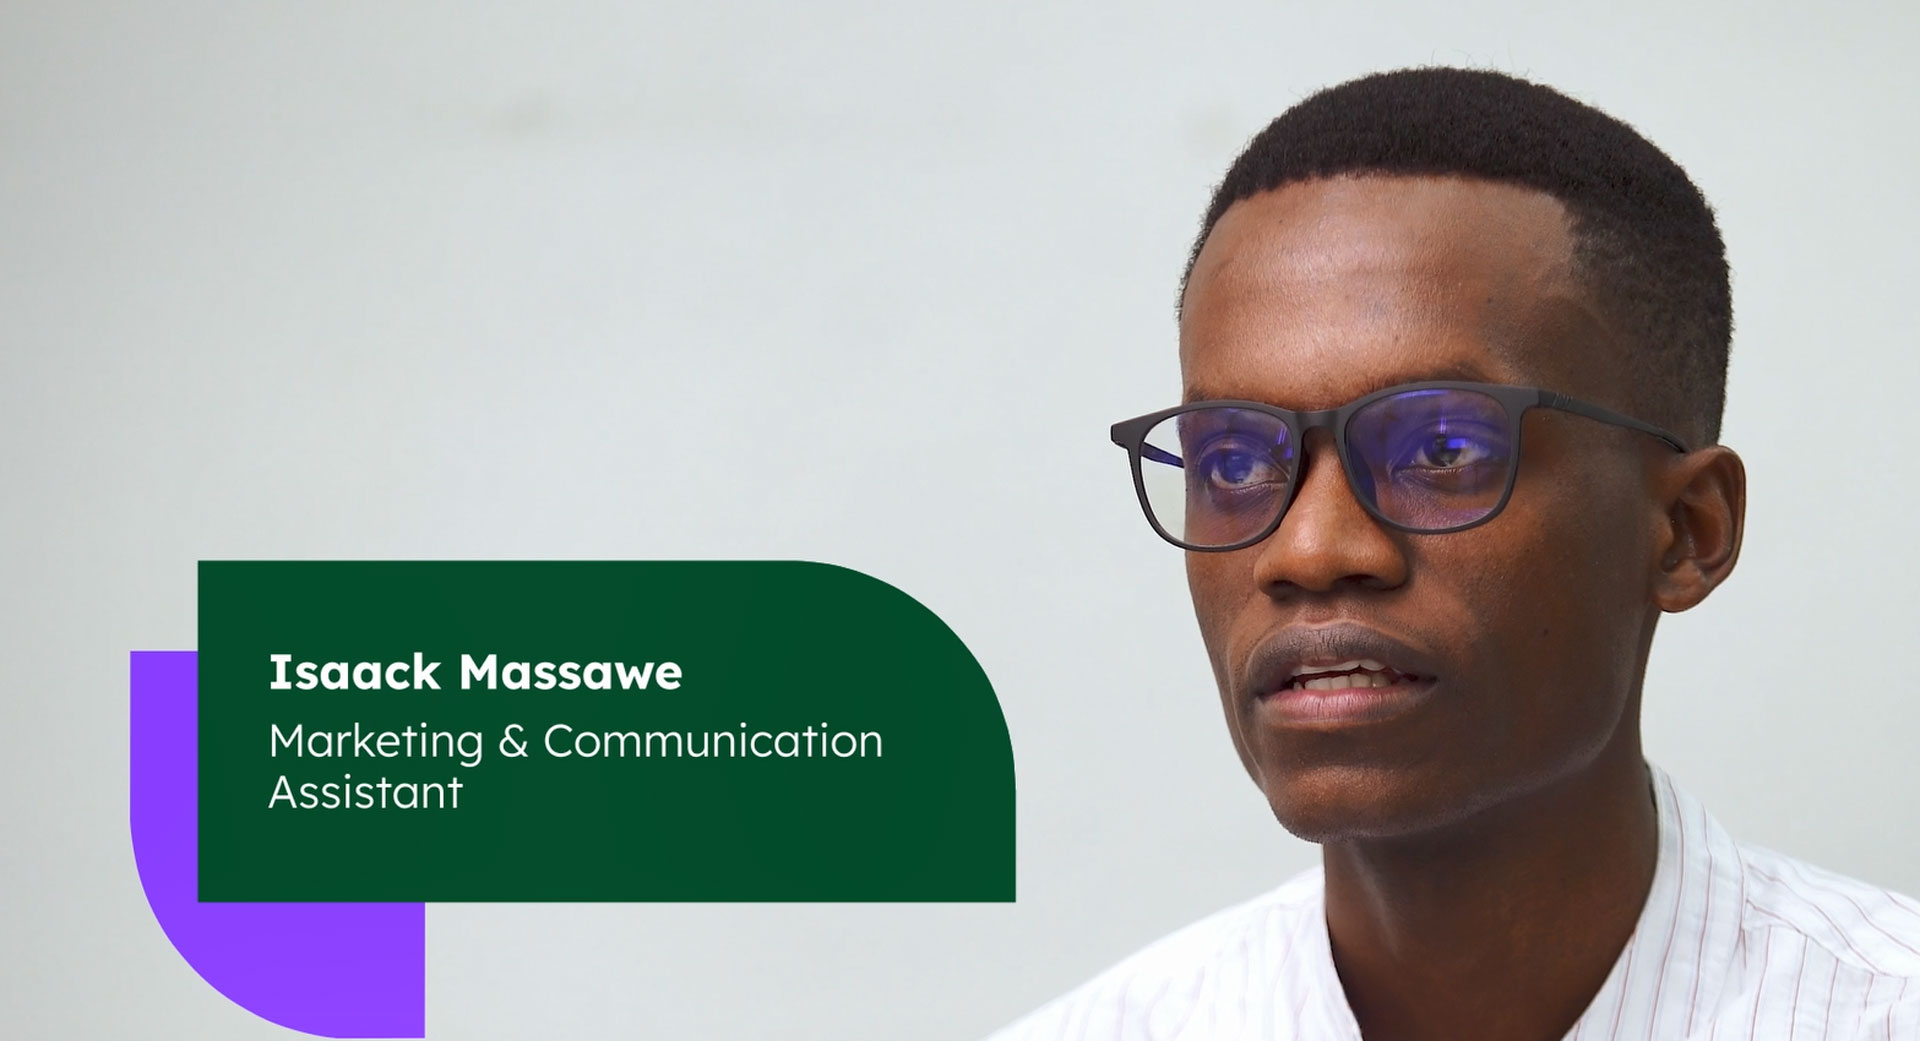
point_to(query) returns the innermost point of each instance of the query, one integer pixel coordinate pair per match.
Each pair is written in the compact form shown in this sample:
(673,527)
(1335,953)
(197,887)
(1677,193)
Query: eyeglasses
(1427,458)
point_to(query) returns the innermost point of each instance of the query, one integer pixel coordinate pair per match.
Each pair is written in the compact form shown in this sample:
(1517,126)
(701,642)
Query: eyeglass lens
(1429,460)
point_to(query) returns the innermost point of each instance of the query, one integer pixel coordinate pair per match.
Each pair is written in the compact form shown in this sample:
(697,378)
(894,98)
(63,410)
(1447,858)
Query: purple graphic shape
(335,970)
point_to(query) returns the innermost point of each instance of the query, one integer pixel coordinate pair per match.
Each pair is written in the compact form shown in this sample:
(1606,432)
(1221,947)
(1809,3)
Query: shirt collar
(1683,947)
(1673,966)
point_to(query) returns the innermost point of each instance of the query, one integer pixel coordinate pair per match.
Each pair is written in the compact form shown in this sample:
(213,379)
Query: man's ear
(1705,493)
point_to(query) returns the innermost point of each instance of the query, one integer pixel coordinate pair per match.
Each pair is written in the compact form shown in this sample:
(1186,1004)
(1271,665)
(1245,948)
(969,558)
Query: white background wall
(855,282)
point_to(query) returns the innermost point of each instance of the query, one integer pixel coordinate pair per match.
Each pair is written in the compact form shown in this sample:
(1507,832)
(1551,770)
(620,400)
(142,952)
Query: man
(1454,350)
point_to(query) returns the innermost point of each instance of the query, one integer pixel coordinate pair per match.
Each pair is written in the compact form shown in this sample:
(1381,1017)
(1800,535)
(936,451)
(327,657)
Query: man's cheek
(1212,607)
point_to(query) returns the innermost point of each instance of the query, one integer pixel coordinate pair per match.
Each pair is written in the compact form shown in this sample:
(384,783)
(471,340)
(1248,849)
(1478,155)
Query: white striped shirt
(1735,942)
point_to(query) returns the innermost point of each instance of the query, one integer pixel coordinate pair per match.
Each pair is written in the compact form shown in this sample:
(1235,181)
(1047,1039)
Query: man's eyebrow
(1459,371)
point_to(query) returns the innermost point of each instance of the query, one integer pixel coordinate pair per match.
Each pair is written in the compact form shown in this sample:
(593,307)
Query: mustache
(1274,658)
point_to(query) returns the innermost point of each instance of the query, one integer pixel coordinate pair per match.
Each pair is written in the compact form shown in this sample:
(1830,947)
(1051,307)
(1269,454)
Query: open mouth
(1337,677)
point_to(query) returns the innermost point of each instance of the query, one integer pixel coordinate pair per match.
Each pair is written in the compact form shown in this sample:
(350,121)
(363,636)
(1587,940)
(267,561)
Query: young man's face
(1524,634)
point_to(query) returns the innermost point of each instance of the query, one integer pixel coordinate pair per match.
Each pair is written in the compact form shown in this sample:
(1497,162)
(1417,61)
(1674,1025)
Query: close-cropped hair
(1645,241)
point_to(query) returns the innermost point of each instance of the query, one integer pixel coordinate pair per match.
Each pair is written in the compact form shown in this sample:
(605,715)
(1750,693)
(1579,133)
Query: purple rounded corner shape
(333,970)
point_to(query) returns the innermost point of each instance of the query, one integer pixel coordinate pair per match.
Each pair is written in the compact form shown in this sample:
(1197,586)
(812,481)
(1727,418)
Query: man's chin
(1332,805)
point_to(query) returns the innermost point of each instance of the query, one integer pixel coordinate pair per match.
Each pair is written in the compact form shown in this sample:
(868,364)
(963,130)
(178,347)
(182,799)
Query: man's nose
(1327,538)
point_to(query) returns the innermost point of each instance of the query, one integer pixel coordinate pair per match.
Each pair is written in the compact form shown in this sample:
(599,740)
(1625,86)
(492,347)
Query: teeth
(1346,666)
(1347,680)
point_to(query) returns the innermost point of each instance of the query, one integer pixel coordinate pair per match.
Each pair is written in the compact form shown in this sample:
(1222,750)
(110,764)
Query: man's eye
(1445,451)
(1229,467)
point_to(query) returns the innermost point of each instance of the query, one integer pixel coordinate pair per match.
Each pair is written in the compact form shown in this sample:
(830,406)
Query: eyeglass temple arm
(1550,399)
(1124,437)
(1160,456)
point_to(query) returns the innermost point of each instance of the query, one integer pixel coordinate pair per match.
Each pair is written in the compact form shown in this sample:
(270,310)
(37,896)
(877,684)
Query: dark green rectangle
(765,647)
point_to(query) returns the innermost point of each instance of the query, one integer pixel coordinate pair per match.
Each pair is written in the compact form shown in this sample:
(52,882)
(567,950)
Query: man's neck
(1502,928)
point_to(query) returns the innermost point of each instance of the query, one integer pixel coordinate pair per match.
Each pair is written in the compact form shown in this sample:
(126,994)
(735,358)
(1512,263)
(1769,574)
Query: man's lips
(1336,675)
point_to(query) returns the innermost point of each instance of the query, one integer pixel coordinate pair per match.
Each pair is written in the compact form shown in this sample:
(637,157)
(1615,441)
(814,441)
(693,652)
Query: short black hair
(1645,241)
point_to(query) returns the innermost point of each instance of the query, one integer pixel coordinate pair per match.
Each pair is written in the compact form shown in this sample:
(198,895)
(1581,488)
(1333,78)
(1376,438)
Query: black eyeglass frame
(1131,434)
